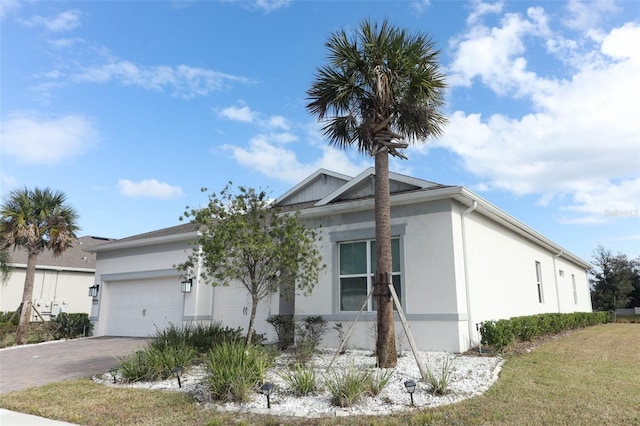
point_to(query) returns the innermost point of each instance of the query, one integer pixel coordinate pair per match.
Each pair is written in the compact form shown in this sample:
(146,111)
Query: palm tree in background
(36,220)
(5,260)
(381,89)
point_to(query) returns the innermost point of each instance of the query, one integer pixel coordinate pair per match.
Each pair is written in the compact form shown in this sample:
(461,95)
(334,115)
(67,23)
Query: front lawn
(590,376)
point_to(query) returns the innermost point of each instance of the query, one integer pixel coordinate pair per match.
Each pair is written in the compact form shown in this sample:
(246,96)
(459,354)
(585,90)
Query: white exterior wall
(156,262)
(502,275)
(53,289)
(429,276)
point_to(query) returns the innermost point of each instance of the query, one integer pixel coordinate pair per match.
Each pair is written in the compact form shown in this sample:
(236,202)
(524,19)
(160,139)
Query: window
(357,271)
(539,282)
(575,291)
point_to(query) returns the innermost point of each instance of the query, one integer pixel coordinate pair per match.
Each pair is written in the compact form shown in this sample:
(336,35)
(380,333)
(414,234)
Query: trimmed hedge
(501,333)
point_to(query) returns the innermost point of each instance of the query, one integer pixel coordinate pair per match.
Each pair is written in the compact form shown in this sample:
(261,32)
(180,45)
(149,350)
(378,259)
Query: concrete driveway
(23,367)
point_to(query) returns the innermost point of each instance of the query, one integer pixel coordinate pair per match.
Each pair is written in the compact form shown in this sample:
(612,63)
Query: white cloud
(268,157)
(64,21)
(420,6)
(580,144)
(7,181)
(149,188)
(270,5)
(481,9)
(586,15)
(7,7)
(34,139)
(242,114)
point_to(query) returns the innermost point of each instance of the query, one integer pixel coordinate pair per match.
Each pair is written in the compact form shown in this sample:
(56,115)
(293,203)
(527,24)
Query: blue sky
(131,107)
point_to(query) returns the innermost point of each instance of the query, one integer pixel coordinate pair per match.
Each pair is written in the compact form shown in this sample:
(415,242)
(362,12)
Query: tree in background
(36,220)
(381,90)
(246,240)
(612,283)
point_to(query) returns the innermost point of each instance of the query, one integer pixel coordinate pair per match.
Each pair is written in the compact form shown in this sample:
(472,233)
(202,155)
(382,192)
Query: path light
(114,374)
(176,372)
(266,390)
(411,387)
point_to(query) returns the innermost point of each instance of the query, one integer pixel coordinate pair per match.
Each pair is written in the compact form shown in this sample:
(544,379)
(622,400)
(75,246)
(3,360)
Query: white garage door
(141,307)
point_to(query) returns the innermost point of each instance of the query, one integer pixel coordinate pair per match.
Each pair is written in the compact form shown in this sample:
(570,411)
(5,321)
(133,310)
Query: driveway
(23,367)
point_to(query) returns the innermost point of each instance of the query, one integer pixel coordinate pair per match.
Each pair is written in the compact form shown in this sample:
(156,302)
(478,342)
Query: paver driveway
(35,365)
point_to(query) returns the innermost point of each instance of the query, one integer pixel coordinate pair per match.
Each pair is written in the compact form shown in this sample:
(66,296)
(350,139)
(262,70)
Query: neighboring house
(457,261)
(60,284)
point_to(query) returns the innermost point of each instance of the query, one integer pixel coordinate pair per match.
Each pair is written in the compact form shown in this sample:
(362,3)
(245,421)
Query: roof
(182,232)
(74,258)
(358,194)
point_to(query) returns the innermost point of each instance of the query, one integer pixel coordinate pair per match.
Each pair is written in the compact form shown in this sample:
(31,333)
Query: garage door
(139,308)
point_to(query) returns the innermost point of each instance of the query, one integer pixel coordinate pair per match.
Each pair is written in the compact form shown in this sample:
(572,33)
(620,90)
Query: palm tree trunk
(386,345)
(22,333)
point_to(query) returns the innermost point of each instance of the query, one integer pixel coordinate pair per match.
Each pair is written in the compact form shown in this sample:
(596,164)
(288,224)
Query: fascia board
(498,215)
(308,180)
(191,236)
(346,187)
(53,268)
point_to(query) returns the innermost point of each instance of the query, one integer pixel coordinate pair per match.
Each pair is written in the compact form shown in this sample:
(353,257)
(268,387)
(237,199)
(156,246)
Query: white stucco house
(458,260)
(60,283)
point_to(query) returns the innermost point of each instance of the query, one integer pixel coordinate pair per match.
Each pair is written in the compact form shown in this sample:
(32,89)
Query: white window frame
(575,289)
(539,282)
(368,274)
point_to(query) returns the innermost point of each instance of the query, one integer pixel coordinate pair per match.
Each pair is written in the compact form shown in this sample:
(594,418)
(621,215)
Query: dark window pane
(353,293)
(397,285)
(353,258)
(395,255)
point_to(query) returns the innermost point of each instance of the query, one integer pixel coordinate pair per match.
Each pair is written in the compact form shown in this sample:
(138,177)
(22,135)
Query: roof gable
(363,186)
(314,188)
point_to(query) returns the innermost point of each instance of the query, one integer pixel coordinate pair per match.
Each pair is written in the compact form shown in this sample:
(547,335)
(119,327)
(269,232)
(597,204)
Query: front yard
(590,376)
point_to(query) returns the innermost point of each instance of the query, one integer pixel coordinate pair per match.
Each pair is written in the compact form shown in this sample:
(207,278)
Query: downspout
(465,213)
(555,278)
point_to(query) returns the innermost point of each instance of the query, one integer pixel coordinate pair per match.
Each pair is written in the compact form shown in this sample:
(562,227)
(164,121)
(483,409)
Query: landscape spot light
(114,374)
(186,285)
(266,391)
(176,372)
(411,387)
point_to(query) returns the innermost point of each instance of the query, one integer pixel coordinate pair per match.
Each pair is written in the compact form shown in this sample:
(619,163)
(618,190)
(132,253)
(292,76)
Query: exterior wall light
(186,285)
(266,391)
(93,290)
(411,387)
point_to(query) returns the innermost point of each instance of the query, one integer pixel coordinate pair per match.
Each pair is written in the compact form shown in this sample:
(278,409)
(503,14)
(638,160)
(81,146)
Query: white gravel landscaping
(472,376)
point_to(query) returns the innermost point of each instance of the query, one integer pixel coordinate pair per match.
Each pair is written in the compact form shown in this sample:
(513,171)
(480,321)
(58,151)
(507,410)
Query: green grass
(590,377)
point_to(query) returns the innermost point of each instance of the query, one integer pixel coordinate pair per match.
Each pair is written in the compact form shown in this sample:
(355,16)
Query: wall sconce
(186,285)
(266,391)
(93,290)
(411,387)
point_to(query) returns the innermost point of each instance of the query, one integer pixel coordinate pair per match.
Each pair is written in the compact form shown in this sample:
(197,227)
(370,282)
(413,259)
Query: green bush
(440,379)
(309,334)
(348,386)
(10,317)
(285,329)
(301,380)
(69,326)
(154,363)
(201,337)
(499,334)
(235,369)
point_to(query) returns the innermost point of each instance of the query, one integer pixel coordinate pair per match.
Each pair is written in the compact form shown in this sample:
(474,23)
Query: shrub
(68,326)
(154,363)
(348,386)
(501,333)
(10,317)
(440,379)
(201,337)
(234,370)
(300,379)
(308,337)
(285,329)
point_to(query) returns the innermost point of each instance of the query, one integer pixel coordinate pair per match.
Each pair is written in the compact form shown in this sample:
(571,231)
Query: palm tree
(36,221)
(5,260)
(381,90)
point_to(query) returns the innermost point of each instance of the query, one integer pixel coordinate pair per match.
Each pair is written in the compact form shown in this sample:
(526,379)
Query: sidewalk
(11,418)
